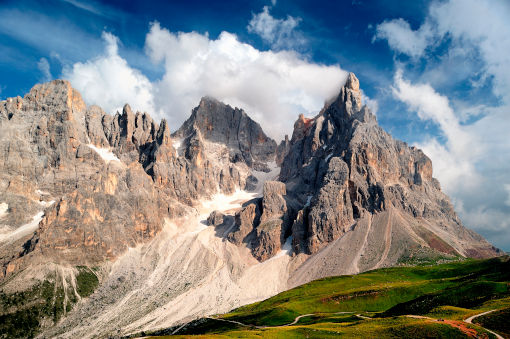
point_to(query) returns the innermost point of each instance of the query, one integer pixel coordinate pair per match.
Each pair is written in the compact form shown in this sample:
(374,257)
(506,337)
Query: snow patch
(329,156)
(225,203)
(177,144)
(46,203)
(3,209)
(41,192)
(262,177)
(22,231)
(105,153)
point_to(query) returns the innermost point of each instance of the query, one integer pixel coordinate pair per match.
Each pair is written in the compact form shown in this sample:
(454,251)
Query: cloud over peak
(272,86)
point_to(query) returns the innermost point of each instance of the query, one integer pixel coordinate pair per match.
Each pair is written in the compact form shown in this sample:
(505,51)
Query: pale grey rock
(232,127)
(245,219)
(350,168)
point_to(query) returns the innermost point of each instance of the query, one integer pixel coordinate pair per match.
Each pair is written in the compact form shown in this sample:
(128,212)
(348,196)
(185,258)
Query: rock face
(358,180)
(106,183)
(120,193)
(220,123)
(83,168)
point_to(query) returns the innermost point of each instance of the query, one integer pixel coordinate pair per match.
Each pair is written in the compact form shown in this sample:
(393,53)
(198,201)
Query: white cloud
(271,86)
(482,25)
(453,161)
(44,66)
(110,82)
(278,33)
(402,38)
(373,104)
(472,156)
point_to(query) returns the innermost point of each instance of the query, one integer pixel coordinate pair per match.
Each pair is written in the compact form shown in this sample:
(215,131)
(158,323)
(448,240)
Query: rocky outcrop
(282,150)
(81,168)
(244,221)
(348,169)
(265,223)
(220,123)
(109,182)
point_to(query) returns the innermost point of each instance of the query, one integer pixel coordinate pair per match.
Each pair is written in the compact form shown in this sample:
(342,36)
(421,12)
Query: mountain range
(112,225)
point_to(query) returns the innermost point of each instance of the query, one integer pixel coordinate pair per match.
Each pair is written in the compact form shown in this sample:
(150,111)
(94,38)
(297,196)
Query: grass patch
(86,281)
(498,321)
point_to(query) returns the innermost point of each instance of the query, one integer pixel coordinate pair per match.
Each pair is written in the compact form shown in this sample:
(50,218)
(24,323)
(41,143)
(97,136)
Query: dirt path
(470,321)
(276,326)
(472,333)
(461,325)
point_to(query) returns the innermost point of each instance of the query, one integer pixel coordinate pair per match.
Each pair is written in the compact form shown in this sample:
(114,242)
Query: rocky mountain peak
(220,123)
(352,82)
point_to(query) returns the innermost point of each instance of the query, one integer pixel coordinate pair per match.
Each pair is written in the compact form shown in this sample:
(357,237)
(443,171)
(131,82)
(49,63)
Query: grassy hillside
(378,304)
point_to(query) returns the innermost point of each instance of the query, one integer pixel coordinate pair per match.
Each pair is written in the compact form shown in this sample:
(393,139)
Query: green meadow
(377,304)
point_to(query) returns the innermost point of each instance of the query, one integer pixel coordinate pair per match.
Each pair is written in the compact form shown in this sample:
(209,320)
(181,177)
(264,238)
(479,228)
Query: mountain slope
(178,227)
(394,302)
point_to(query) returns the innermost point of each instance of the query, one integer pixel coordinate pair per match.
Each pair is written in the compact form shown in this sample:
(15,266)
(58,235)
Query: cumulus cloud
(273,87)
(278,33)
(402,38)
(463,48)
(453,160)
(108,81)
(44,66)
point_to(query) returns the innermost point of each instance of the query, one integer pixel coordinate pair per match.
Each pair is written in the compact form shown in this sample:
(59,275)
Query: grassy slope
(450,291)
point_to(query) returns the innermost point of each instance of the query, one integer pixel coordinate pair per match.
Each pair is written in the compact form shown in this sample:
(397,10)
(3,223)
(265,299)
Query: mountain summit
(111,224)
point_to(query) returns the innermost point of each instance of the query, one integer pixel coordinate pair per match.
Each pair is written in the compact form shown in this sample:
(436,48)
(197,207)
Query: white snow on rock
(177,144)
(3,209)
(41,192)
(105,153)
(12,235)
(46,203)
(308,200)
(262,177)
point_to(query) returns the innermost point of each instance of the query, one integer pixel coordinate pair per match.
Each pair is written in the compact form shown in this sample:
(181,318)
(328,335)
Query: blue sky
(437,73)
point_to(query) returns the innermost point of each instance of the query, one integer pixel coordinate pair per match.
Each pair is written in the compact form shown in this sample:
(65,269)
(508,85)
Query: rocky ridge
(342,172)
(111,180)
(122,194)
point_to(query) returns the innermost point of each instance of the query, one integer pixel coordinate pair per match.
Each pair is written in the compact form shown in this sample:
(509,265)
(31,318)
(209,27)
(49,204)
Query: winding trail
(470,321)
(453,323)
(458,324)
